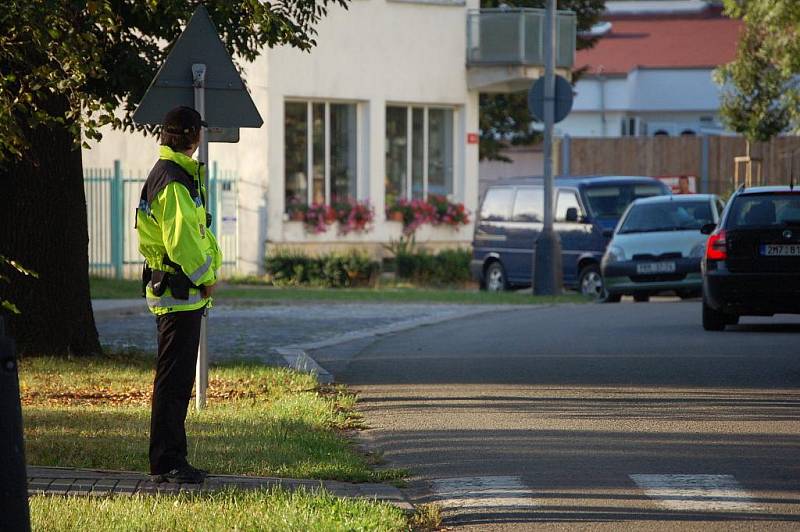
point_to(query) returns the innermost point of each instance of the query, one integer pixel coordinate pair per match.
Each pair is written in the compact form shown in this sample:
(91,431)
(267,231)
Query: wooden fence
(710,159)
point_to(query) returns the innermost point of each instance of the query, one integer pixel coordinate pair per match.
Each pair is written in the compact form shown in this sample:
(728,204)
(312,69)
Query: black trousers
(178,339)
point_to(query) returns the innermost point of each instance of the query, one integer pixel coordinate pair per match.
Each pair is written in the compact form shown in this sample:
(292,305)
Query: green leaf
(9,306)
(17,266)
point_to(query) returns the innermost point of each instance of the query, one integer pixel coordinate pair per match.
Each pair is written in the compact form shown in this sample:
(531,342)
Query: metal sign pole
(201,375)
(547,275)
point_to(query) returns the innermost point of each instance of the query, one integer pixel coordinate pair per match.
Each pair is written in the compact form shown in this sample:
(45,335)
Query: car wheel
(590,282)
(641,298)
(496,278)
(731,319)
(713,320)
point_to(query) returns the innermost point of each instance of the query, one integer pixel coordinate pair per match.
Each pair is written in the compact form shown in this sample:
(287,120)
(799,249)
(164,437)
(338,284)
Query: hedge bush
(448,267)
(332,270)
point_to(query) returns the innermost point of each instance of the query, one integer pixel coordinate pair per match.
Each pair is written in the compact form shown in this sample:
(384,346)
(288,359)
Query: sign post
(199,73)
(201,372)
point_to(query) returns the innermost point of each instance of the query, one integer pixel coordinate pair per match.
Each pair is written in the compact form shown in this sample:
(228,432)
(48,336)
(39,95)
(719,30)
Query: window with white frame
(320,152)
(419,152)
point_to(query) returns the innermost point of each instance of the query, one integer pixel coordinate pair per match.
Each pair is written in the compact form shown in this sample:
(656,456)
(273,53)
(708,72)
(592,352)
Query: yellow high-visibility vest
(171,222)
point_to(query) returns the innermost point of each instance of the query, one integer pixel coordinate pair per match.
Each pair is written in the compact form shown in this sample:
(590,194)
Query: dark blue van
(586,211)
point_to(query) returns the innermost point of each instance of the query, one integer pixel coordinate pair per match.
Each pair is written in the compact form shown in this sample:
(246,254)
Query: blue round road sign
(563,100)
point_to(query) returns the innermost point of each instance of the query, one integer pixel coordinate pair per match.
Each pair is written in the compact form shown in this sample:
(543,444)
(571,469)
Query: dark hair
(181,128)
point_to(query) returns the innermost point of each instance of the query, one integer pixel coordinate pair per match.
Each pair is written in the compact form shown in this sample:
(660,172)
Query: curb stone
(77,482)
(300,360)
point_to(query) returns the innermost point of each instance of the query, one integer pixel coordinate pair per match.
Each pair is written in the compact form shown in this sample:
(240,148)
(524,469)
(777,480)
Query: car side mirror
(707,229)
(608,233)
(572,214)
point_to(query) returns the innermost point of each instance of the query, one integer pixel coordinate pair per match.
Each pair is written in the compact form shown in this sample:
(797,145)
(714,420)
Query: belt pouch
(159,281)
(179,284)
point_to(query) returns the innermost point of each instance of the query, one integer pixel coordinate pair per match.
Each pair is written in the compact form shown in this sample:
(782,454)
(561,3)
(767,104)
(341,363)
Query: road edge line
(297,355)
(300,360)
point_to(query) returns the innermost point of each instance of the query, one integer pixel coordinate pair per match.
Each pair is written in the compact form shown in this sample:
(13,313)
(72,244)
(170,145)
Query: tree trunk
(43,227)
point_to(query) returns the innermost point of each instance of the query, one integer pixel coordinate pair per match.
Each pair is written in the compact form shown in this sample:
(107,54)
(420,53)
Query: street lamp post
(547,275)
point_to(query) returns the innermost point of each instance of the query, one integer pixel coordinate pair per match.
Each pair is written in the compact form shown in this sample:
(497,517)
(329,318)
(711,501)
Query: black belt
(177,281)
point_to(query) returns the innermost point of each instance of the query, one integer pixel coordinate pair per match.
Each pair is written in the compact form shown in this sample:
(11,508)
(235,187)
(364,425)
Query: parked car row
(586,211)
(631,236)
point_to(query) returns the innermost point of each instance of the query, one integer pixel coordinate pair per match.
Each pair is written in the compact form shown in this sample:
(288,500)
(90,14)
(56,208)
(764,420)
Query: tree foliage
(101,54)
(759,91)
(504,118)
(9,269)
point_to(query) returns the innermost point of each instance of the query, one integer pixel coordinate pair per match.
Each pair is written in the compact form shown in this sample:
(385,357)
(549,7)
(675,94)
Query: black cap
(182,120)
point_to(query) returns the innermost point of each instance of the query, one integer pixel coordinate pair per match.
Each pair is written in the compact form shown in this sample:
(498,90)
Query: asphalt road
(589,417)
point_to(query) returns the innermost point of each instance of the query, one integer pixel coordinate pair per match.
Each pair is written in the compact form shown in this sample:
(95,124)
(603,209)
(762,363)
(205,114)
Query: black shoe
(183,475)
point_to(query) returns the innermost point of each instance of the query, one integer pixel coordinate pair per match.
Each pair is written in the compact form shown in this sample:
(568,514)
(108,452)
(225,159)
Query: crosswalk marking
(490,492)
(696,492)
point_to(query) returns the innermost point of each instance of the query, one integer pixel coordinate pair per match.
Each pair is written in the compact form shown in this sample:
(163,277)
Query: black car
(752,260)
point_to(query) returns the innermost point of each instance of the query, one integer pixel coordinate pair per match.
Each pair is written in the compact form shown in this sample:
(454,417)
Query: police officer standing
(182,259)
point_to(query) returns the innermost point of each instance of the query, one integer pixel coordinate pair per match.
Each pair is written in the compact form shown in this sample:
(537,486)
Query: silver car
(657,247)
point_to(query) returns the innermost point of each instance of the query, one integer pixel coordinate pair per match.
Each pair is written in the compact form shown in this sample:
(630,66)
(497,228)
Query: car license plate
(655,267)
(780,250)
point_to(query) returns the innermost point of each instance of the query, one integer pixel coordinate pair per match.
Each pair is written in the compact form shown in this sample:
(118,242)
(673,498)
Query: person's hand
(208,290)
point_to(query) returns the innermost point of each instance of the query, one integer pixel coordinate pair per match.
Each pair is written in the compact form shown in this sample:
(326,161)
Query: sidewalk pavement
(99,483)
(106,308)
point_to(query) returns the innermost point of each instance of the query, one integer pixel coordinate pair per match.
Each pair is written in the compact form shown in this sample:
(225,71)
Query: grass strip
(265,421)
(392,295)
(275,509)
(121,289)
(103,288)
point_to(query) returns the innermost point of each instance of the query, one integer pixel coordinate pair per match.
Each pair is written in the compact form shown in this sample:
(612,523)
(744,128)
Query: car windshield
(612,200)
(667,216)
(765,210)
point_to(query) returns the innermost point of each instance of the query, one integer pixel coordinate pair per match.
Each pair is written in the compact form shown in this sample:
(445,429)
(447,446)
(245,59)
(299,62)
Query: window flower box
(349,216)
(354,215)
(436,210)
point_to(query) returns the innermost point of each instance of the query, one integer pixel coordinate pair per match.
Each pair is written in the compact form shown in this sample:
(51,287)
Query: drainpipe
(601,79)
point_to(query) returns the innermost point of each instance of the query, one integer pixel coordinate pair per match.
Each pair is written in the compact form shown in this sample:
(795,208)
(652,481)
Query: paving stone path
(101,483)
(252,331)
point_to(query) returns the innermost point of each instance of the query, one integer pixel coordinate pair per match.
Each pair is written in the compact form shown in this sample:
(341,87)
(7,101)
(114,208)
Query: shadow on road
(769,406)
(578,452)
(589,514)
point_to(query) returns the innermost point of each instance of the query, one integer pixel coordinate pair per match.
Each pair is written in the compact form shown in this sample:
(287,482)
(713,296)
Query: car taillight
(716,247)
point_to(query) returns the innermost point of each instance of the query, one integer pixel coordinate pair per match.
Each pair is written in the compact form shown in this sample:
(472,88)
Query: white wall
(672,99)
(525,161)
(672,90)
(590,124)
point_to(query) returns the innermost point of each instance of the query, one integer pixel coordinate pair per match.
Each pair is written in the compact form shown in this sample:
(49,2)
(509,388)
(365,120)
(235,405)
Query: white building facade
(379,110)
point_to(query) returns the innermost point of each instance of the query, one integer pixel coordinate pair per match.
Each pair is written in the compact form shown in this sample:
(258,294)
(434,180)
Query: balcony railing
(515,36)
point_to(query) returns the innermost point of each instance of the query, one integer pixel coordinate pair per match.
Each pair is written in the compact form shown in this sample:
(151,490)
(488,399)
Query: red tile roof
(667,42)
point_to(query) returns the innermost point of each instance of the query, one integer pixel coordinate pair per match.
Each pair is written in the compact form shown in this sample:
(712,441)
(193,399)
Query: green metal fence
(111,200)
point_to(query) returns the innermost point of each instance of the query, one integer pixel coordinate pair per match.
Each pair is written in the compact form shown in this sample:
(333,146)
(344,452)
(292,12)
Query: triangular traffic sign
(228,104)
